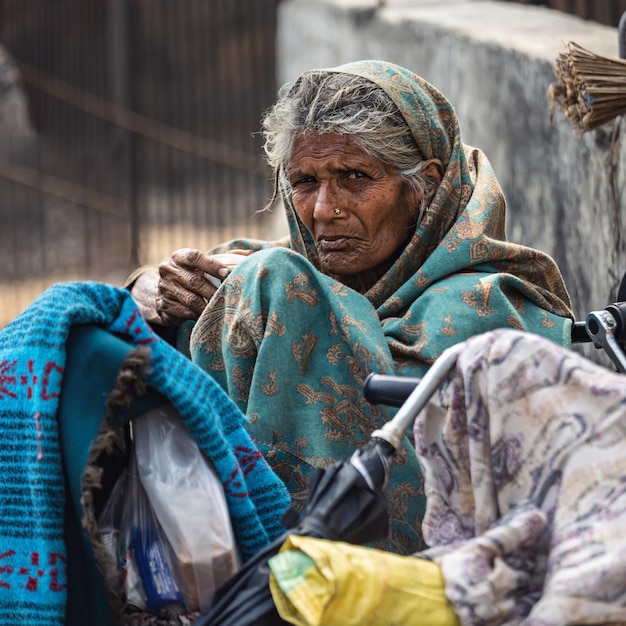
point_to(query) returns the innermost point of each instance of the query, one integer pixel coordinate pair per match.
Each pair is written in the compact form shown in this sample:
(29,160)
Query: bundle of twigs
(590,89)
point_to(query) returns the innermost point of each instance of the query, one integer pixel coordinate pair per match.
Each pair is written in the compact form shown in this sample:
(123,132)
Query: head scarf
(458,275)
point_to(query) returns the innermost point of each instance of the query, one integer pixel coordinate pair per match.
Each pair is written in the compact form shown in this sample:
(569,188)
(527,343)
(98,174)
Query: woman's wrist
(143,285)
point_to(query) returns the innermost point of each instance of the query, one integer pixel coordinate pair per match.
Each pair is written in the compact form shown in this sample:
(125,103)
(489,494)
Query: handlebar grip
(389,390)
(579,333)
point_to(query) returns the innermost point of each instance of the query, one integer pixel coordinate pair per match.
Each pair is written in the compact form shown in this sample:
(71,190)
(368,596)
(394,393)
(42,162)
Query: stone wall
(494,61)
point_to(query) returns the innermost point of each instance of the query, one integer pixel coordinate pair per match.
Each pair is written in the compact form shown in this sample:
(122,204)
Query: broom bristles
(590,89)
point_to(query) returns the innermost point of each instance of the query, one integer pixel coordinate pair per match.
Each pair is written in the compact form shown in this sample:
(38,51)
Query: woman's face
(377,208)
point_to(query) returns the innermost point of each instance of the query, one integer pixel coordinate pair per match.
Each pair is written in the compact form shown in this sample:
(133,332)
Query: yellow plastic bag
(315,581)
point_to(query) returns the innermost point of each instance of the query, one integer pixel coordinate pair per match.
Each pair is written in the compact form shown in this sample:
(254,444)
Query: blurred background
(603,11)
(128,129)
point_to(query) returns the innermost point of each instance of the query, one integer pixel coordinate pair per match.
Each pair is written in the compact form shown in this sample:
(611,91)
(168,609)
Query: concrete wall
(494,61)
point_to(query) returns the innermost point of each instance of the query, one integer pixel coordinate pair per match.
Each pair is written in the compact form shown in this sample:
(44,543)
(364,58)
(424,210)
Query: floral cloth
(293,347)
(524,458)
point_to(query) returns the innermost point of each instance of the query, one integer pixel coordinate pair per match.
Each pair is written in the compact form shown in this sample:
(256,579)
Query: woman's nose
(325,203)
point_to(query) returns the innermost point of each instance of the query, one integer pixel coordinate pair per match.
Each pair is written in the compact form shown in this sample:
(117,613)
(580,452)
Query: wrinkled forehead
(332,151)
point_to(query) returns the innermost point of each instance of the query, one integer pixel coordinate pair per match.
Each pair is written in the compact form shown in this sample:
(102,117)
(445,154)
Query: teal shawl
(292,346)
(59,362)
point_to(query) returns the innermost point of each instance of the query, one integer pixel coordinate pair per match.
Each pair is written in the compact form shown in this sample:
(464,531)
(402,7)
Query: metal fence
(606,12)
(127,129)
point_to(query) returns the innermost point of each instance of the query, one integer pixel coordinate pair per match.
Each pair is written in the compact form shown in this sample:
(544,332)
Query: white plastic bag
(188,501)
(139,554)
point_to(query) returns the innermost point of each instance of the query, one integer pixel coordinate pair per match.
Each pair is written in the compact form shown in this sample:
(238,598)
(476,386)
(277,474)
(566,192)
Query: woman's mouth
(332,243)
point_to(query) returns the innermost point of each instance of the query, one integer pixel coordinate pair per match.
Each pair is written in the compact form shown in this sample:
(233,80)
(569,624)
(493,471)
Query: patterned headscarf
(458,275)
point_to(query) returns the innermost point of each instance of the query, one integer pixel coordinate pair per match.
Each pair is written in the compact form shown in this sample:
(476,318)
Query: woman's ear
(433,169)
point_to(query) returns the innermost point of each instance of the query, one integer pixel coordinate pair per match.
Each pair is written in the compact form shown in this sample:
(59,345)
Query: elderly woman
(396,250)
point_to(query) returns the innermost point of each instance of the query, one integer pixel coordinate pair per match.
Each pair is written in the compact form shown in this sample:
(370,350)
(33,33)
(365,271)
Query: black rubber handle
(579,333)
(389,390)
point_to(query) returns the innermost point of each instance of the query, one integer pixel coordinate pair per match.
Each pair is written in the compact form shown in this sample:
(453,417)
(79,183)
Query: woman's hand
(183,289)
(181,286)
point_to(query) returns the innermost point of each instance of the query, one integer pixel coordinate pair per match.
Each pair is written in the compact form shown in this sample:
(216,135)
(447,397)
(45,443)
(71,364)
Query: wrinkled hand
(183,289)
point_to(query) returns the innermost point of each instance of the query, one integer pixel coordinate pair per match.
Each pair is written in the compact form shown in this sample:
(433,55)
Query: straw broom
(590,89)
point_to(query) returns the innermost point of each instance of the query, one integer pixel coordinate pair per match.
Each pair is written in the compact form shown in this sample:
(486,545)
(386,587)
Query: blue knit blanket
(33,553)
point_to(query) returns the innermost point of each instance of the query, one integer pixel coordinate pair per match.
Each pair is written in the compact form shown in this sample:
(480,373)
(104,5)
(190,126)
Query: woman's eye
(355,175)
(303,180)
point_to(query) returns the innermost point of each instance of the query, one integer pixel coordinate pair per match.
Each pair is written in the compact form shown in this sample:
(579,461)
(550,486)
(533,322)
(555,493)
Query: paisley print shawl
(293,347)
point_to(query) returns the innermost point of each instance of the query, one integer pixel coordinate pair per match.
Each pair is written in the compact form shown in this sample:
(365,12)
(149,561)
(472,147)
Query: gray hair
(324,101)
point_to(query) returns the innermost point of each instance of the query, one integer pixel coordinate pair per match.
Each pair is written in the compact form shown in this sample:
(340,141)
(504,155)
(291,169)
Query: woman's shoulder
(248,243)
